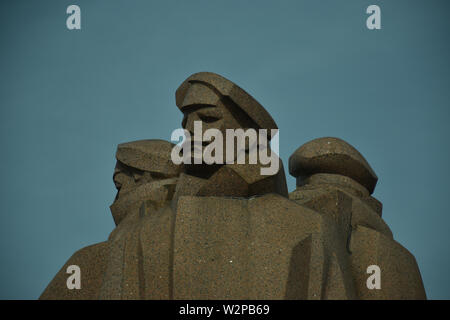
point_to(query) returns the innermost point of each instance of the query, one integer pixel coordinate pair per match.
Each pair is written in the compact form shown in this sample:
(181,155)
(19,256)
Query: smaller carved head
(139,165)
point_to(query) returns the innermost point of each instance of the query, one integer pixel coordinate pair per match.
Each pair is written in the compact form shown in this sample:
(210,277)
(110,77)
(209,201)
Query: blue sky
(69,97)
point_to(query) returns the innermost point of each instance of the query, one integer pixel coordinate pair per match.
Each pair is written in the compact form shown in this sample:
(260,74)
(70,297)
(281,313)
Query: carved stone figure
(335,180)
(225,231)
(145,178)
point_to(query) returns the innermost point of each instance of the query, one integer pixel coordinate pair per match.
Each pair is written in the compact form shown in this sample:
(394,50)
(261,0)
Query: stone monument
(226,231)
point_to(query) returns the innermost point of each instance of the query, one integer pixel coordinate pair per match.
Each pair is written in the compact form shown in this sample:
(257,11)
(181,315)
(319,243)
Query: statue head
(219,104)
(332,160)
(142,166)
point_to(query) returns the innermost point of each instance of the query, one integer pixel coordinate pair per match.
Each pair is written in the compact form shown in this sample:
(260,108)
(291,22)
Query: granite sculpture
(225,231)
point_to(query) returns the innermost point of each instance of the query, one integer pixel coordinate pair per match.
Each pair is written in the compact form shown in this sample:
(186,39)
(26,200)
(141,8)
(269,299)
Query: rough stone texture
(92,262)
(262,248)
(233,181)
(400,275)
(227,232)
(193,91)
(149,155)
(358,217)
(144,171)
(331,155)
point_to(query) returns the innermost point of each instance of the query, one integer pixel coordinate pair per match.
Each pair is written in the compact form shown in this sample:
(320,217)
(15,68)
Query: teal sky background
(67,98)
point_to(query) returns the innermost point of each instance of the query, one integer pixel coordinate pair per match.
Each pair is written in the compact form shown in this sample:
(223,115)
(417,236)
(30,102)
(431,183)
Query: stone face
(331,155)
(225,231)
(144,171)
(218,103)
(194,91)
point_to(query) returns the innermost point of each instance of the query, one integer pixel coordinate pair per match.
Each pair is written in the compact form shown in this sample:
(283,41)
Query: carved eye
(207,119)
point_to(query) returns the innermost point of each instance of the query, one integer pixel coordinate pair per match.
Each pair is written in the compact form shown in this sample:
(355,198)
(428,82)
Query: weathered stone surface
(236,180)
(144,171)
(400,275)
(140,256)
(225,231)
(256,249)
(92,261)
(149,155)
(194,91)
(331,155)
(220,104)
(358,216)
(158,192)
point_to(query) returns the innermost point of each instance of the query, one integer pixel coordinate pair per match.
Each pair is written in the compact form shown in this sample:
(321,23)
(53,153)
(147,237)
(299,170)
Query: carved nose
(190,122)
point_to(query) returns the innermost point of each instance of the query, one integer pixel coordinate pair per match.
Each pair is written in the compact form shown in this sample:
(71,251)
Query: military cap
(208,88)
(148,155)
(335,156)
